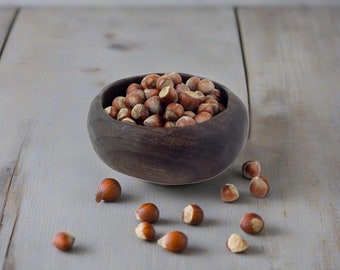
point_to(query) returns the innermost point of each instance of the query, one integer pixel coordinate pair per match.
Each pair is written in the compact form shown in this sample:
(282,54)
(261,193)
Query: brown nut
(128,120)
(191,114)
(109,190)
(174,241)
(163,81)
(236,244)
(173,111)
(205,107)
(150,92)
(108,109)
(123,113)
(202,117)
(133,87)
(192,83)
(154,105)
(145,231)
(147,212)
(214,105)
(169,124)
(206,86)
(251,169)
(192,214)
(181,88)
(149,81)
(63,241)
(168,95)
(229,193)
(189,100)
(252,223)
(175,77)
(259,186)
(136,97)
(113,112)
(185,121)
(140,112)
(154,120)
(118,102)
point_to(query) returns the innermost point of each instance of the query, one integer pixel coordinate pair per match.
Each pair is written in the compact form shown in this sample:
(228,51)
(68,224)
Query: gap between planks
(12,22)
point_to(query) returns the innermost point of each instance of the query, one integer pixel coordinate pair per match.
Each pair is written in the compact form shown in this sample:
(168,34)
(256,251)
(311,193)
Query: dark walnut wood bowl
(168,156)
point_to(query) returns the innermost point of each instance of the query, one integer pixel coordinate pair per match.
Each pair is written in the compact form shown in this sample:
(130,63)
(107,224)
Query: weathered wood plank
(293,63)
(57,60)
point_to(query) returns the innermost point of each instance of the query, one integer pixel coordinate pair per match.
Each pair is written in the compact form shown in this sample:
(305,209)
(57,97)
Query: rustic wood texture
(56,61)
(293,64)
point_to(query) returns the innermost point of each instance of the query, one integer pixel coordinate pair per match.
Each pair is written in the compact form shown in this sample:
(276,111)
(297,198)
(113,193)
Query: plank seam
(11,25)
(244,61)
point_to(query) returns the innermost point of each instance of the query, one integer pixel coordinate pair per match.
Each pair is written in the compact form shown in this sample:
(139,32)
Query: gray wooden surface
(55,62)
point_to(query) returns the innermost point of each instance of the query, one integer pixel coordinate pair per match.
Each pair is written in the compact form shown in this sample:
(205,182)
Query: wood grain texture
(293,63)
(56,61)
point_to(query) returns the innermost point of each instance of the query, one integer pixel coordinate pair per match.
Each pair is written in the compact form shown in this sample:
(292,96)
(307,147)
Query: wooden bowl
(168,156)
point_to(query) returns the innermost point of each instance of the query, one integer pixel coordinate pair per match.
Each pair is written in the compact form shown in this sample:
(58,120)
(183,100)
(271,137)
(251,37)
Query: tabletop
(284,64)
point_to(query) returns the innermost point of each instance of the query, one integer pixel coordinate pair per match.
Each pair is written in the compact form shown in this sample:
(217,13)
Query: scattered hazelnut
(174,241)
(252,223)
(145,231)
(109,190)
(236,243)
(192,214)
(229,193)
(251,169)
(259,186)
(147,212)
(63,241)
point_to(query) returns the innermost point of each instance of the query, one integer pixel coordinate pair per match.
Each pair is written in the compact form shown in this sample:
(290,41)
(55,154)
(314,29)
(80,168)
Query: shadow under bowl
(168,156)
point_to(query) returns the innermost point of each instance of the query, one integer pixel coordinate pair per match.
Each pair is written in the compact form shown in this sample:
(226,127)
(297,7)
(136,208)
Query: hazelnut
(170,124)
(251,169)
(202,117)
(192,214)
(185,121)
(236,243)
(259,186)
(149,81)
(163,81)
(133,87)
(113,112)
(154,105)
(192,83)
(109,190)
(189,100)
(229,193)
(191,114)
(174,241)
(217,94)
(200,96)
(205,107)
(173,111)
(123,113)
(63,241)
(147,212)
(108,109)
(252,223)
(181,88)
(118,102)
(175,77)
(140,112)
(128,120)
(154,120)
(145,231)
(214,105)
(136,97)
(168,95)
(206,86)
(150,92)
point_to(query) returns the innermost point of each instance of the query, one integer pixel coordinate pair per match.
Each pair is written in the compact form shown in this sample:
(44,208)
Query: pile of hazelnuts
(167,101)
(147,214)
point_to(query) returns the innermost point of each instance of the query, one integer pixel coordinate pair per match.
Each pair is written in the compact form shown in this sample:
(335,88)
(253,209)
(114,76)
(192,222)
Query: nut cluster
(166,101)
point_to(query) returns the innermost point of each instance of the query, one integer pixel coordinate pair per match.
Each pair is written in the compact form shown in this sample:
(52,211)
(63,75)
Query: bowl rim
(226,92)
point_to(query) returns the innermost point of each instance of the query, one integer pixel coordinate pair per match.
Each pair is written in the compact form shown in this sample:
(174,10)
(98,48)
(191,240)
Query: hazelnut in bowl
(168,128)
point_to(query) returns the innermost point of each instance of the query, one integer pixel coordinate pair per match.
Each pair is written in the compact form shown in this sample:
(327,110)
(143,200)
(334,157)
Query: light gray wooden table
(284,63)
